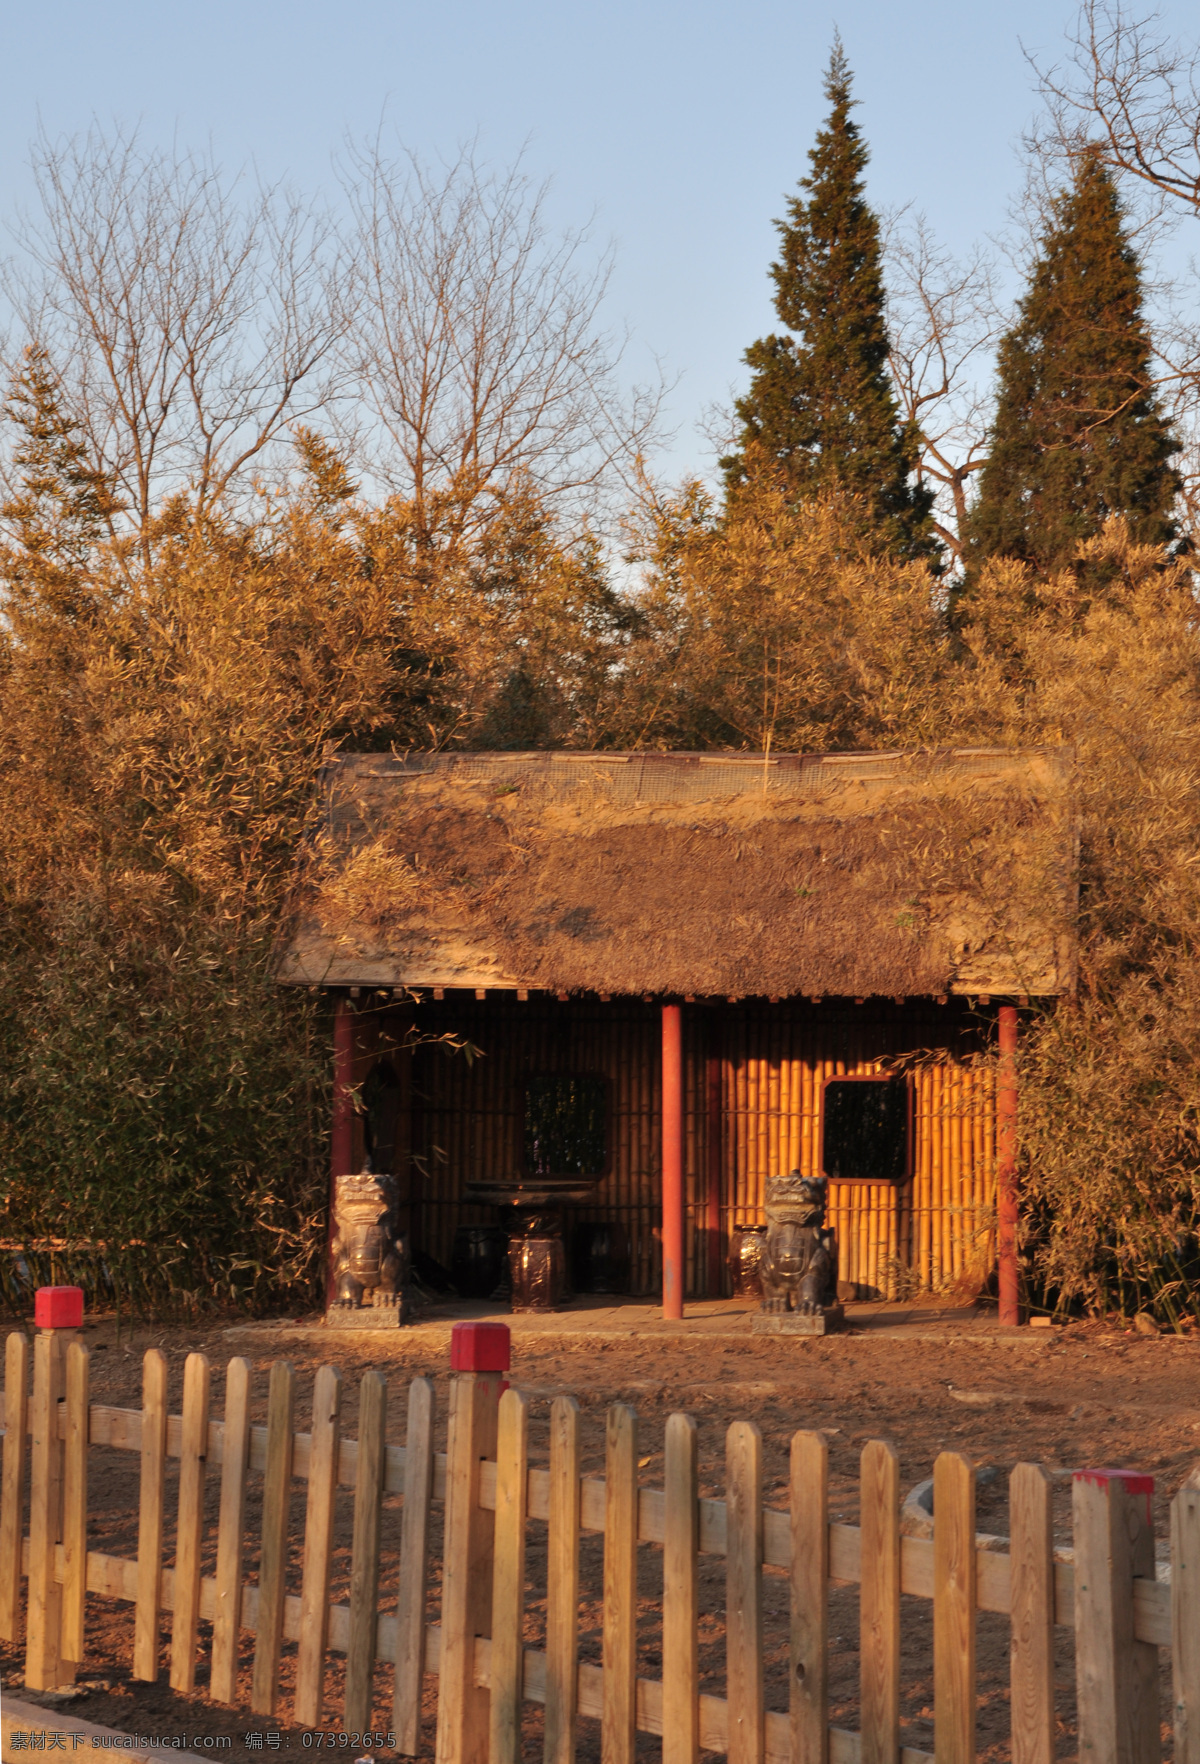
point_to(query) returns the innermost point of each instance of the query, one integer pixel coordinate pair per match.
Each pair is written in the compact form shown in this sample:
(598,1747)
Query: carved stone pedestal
(825,1322)
(365,1317)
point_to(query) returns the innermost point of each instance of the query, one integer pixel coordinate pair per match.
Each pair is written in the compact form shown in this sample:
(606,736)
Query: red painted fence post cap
(58,1307)
(480,1347)
(1136,1481)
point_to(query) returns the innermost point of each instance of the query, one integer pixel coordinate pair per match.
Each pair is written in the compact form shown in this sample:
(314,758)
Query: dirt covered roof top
(846,874)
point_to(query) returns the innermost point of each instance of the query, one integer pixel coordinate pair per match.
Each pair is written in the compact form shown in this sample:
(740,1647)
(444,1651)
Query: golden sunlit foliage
(164,712)
(166,702)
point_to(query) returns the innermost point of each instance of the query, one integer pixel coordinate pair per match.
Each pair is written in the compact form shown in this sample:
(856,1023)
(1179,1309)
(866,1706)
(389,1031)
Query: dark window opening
(865,1128)
(566,1125)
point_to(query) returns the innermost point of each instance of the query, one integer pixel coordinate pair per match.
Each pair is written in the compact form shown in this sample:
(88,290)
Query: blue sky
(680,127)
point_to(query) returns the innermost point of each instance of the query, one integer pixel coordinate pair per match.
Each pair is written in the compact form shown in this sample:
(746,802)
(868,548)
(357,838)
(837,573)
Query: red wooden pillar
(341,1142)
(672,1161)
(1006,1167)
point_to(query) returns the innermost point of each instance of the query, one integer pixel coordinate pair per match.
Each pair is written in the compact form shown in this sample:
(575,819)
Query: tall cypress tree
(820,410)
(1078,434)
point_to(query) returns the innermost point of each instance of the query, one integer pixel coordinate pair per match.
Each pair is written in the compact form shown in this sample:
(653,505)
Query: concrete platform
(26,1727)
(617,1319)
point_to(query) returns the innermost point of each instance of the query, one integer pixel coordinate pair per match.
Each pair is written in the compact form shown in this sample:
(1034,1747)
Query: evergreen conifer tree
(820,411)
(1078,434)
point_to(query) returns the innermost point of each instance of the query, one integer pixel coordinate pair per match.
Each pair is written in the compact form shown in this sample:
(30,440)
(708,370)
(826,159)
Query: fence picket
(414,1567)
(43,1669)
(185,1625)
(681,1592)
(318,1547)
(879,1603)
(230,1520)
(74,1521)
(272,1567)
(462,1730)
(562,1583)
(12,1483)
(1116,1676)
(508,1578)
(953,1609)
(618,1724)
(364,1556)
(743,1593)
(1185,1623)
(809,1699)
(150,1515)
(1031,1554)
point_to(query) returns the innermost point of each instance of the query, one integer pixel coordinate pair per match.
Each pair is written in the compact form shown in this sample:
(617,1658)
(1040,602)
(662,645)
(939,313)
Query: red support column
(341,1142)
(672,1161)
(1006,1167)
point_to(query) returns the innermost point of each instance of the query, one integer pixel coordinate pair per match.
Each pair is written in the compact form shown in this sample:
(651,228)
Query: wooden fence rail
(1106,1590)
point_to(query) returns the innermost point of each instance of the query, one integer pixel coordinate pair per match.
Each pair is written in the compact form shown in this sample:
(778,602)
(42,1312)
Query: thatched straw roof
(693,874)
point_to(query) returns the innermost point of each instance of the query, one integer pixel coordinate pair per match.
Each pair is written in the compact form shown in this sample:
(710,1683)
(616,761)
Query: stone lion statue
(370,1261)
(799,1264)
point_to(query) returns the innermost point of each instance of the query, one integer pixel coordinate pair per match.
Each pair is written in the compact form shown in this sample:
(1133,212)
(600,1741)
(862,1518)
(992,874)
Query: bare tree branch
(477,346)
(944,317)
(1129,86)
(188,325)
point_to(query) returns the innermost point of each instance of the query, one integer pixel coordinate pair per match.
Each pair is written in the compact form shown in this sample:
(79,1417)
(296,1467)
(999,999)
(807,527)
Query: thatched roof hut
(693,875)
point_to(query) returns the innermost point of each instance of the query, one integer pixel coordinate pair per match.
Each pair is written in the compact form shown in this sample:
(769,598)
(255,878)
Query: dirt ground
(1066,1397)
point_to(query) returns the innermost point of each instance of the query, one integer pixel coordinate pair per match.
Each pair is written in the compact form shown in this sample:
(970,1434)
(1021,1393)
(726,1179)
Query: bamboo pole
(954,1167)
(937,1200)
(807,1151)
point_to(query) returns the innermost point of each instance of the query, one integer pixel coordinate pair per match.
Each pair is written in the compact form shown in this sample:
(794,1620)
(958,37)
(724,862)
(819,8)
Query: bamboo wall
(930,1233)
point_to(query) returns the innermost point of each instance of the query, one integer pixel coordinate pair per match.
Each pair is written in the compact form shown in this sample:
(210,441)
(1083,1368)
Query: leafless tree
(1127,84)
(477,345)
(190,322)
(944,317)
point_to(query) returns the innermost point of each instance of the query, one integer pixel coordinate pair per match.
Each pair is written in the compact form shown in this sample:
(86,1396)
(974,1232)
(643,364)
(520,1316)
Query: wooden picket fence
(1108,1593)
